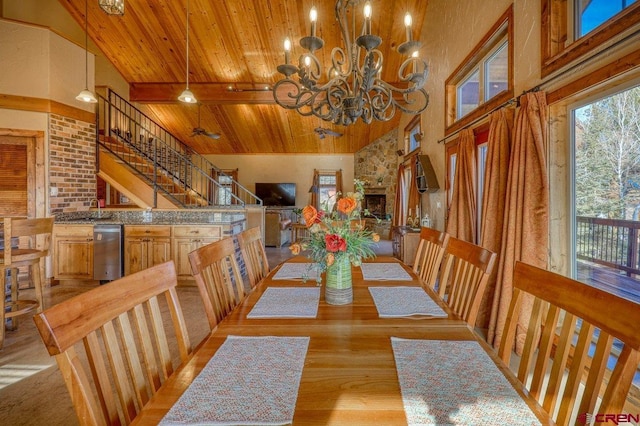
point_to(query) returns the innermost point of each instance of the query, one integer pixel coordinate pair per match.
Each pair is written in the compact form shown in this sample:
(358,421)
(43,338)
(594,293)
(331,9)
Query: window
(591,14)
(225,189)
(481,139)
(574,31)
(484,80)
(327,190)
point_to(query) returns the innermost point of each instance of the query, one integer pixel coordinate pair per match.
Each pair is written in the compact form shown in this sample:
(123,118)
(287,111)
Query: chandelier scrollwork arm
(354,89)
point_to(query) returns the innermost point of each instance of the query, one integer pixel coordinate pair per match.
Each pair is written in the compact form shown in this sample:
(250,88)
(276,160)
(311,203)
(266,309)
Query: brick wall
(377,164)
(71,163)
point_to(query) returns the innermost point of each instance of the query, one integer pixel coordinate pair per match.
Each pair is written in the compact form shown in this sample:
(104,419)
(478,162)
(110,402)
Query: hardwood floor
(32,391)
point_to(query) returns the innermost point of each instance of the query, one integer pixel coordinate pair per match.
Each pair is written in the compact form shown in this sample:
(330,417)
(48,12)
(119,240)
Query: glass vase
(338,288)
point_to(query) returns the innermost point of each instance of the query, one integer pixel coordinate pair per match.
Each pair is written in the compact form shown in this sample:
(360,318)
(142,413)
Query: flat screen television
(277,194)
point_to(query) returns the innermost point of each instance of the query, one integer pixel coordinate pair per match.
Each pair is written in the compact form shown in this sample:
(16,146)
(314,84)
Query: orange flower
(310,215)
(295,249)
(330,259)
(347,204)
(375,237)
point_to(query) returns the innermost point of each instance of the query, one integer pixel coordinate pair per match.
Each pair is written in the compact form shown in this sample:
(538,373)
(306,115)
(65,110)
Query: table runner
(296,271)
(455,383)
(249,381)
(384,271)
(394,302)
(287,302)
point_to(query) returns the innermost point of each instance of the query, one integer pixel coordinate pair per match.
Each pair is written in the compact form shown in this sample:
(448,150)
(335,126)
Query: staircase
(152,167)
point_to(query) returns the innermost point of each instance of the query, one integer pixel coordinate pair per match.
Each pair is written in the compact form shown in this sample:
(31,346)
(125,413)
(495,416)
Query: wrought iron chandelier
(112,7)
(354,88)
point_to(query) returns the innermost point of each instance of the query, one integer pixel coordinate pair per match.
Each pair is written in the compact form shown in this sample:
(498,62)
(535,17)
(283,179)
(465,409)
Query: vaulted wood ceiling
(234,49)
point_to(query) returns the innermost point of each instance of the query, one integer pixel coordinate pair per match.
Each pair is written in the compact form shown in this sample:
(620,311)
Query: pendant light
(86,95)
(186,96)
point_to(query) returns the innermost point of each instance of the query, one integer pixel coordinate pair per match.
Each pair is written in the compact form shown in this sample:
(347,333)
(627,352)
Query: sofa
(277,229)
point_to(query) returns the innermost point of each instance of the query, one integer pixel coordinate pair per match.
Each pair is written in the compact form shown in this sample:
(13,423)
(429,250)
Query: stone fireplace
(375,200)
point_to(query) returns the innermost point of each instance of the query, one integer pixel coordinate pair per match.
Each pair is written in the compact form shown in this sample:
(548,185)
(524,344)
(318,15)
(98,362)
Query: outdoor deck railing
(609,242)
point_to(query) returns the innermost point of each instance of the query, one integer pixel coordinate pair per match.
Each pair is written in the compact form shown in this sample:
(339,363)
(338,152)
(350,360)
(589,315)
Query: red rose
(335,243)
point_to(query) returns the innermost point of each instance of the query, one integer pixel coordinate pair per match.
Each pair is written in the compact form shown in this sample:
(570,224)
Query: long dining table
(349,374)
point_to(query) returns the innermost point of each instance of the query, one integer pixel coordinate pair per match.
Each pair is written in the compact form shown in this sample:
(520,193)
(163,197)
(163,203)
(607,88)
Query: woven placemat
(446,382)
(384,271)
(297,271)
(249,381)
(287,302)
(394,302)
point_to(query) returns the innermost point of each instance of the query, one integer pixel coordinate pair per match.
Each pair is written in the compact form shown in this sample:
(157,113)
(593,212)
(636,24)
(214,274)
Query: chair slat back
(569,339)
(120,328)
(429,255)
(253,253)
(33,234)
(217,275)
(466,271)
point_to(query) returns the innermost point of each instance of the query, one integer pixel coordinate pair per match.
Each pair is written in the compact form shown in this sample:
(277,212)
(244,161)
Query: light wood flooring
(32,391)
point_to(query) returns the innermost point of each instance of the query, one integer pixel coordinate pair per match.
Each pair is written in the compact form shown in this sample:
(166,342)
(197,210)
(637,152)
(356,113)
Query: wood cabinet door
(135,255)
(74,258)
(181,249)
(158,251)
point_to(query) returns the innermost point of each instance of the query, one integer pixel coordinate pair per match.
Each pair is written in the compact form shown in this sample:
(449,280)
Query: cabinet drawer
(147,231)
(201,231)
(73,231)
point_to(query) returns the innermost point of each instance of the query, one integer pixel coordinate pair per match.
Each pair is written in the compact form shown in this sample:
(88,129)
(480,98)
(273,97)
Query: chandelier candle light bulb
(367,18)
(313,17)
(407,24)
(287,50)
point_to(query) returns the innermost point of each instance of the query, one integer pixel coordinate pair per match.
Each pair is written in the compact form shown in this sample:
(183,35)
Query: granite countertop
(124,217)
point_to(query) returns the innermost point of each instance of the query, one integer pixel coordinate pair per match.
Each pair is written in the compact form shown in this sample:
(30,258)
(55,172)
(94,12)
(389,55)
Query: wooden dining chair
(429,255)
(111,343)
(574,331)
(218,277)
(253,253)
(465,272)
(34,240)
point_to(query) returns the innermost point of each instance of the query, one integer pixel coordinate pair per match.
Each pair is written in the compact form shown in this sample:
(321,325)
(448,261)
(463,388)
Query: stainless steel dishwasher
(107,252)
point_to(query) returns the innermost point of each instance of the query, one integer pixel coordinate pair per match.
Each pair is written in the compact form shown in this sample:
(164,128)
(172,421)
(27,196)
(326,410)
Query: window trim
(555,34)
(502,28)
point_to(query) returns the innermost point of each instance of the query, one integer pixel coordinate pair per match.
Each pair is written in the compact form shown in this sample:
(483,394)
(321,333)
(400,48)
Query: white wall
(297,168)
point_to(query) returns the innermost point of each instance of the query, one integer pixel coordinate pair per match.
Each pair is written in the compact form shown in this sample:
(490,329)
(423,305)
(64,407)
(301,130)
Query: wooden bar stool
(34,236)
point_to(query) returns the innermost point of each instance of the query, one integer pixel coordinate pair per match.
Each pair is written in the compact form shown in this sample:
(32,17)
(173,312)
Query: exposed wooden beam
(210,93)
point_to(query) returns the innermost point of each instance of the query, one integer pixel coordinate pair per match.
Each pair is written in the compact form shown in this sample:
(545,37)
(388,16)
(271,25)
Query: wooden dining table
(349,375)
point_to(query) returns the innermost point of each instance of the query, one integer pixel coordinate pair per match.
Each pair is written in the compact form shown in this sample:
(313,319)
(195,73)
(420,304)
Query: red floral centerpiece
(338,239)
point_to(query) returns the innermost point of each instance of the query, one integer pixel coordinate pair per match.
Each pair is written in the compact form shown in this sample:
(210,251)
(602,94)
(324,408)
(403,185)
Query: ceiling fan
(323,132)
(199,131)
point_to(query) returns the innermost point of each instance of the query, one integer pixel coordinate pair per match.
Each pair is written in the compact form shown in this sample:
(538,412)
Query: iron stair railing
(166,163)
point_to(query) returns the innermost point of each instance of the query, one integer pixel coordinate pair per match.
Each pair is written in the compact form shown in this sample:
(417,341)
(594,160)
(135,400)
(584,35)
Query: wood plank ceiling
(234,49)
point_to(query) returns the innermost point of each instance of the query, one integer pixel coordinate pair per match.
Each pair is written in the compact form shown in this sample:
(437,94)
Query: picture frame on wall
(413,134)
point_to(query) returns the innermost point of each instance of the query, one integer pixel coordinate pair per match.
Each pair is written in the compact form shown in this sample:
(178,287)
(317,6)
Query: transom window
(484,80)
(590,14)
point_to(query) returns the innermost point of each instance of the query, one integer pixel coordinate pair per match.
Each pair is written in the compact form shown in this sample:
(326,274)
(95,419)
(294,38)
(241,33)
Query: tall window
(481,138)
(327,190)
(225,189)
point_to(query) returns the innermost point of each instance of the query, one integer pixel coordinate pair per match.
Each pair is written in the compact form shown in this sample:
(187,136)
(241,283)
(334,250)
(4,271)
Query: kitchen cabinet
(405,244)
(145,246)
(72,252)
(188,238)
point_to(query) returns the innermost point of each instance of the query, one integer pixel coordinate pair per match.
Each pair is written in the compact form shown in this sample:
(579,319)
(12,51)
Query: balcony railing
(609,242)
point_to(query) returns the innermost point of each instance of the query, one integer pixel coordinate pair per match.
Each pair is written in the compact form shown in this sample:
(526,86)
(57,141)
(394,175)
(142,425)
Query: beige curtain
(339,183)
(526,220)
(399,212)
(462,214)
(413,196)
(315,189)
(494,195)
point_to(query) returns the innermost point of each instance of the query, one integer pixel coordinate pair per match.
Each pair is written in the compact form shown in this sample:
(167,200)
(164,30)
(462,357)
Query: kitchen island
(149,238)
